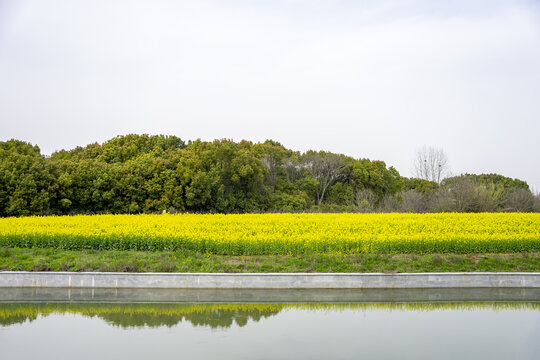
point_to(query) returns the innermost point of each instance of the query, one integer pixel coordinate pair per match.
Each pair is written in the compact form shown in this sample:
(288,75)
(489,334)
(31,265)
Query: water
(384,324)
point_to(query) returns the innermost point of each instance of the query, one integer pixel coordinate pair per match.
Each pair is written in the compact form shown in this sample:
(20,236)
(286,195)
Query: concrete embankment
(54,295)
(96,280)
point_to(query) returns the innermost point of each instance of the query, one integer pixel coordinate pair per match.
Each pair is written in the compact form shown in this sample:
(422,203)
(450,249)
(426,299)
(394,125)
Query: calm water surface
(118,329)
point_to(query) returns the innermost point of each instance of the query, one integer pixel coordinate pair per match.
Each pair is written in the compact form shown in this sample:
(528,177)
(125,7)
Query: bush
(365,200)
(411,201)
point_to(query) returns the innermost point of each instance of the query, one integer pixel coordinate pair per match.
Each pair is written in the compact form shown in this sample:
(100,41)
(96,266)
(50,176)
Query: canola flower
(285,234)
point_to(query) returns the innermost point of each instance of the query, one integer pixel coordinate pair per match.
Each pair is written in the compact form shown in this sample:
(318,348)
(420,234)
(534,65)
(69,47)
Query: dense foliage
(149,174)
(279,234)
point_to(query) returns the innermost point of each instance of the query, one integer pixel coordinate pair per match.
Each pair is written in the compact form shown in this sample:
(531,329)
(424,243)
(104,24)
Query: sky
(369,79)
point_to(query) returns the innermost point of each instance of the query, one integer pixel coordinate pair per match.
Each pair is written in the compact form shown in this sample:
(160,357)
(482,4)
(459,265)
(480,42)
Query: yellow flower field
(254,234)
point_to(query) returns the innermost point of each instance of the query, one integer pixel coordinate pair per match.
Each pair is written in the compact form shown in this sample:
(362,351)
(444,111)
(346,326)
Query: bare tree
(388,204)
(431,164)
(488,198)
(292,169)
(411,201)
(519,200)
(271,164)
(324,167)
(365,200)
(462,192)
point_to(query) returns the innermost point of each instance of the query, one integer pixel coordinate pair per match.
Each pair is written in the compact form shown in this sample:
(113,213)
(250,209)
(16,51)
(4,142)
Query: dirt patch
(42,267)
(134,267)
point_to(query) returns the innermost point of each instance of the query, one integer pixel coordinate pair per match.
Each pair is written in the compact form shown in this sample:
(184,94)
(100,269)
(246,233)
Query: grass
(36,259)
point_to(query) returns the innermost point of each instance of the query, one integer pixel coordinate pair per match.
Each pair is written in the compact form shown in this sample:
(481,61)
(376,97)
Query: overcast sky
(371,78)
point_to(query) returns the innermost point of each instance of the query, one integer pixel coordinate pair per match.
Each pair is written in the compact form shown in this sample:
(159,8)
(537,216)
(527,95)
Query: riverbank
(17,259)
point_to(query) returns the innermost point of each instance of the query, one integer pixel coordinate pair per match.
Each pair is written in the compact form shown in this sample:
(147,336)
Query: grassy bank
(139,261)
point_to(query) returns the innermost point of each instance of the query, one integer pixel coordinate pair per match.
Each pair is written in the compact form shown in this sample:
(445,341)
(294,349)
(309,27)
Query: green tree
(374,175)
(325,168)
(27,183)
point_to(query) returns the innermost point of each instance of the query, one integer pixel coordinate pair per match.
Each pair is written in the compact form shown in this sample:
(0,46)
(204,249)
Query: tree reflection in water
(217,315)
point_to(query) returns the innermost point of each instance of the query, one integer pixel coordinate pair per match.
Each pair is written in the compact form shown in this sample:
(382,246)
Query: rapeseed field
(283,234)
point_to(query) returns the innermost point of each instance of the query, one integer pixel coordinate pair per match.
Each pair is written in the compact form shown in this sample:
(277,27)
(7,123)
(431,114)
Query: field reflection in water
(222,315)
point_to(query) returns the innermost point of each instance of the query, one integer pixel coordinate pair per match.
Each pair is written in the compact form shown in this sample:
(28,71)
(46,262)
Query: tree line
(152,174)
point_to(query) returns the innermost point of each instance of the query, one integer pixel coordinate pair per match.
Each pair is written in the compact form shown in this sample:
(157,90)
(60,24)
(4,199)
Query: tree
(27,182)
(519,200)
(411,201)
(502,181)
(222,176)
(461,192)
(153,173)
(420,185)
(272,155)
(365,200)
(373,175)
(431,164)
(325,168)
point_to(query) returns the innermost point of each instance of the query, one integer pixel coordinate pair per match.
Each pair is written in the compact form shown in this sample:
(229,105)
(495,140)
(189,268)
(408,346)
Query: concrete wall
(22,279)
(267,296)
